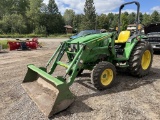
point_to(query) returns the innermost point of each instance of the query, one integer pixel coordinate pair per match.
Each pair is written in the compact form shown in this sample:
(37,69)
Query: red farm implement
(24,44)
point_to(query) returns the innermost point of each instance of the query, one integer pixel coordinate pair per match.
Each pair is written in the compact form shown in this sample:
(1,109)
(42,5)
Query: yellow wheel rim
(107,77)
(146,59)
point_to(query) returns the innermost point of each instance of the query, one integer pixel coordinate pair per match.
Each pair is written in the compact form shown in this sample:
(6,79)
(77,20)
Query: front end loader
(100,53)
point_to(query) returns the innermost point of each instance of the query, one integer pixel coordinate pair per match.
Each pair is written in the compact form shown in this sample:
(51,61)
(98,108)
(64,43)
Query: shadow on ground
(4,52)
(157,52)
(125,82)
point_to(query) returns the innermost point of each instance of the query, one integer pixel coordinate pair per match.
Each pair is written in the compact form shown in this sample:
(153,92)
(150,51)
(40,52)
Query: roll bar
(137,17)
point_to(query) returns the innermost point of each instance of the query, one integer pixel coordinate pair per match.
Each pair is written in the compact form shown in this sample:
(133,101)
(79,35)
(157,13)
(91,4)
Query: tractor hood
(88,38)
(152,28)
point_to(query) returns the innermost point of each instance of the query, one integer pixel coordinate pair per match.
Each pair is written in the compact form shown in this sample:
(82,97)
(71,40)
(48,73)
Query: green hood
(88,38)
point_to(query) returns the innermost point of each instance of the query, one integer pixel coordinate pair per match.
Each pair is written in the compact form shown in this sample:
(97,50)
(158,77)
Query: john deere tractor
(100,53)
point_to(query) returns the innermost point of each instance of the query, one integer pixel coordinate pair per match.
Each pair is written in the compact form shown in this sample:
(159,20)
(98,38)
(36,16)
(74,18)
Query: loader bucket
(50,94)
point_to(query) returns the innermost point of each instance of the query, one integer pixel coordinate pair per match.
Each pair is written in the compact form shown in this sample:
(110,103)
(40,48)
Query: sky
(107,6)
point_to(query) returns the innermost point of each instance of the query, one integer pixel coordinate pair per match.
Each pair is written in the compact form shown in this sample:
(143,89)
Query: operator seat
(123,37)
(120,43)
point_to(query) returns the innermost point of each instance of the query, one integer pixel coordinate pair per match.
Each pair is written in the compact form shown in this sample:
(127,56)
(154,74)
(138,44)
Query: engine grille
(154,39)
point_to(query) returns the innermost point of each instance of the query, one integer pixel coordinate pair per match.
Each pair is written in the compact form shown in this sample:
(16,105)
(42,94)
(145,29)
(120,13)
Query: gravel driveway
(131,98)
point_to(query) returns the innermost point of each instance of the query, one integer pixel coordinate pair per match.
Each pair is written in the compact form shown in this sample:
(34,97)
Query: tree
(33,14)
(110,18)
(34,7)
(6,7)
(54,21)
(102,22)
(114,22)
(12,15)
(13,6)
(20,7)
(126,13)
(146,19)
(131,18)
(140,17)
(77,22)
(13,24)
(124,21)
(69,16)
(44,8)
(90,15)
(155,17)
(52,7)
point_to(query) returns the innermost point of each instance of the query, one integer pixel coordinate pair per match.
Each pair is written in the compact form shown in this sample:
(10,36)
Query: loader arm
(83,50)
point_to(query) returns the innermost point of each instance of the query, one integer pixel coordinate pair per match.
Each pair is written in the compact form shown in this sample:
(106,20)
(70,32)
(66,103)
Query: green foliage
(40,30)
(132,18)
(69,17)
(140,17)
(89,21)
(114,22)
(52,7)
(77,22)
(102,21)
(34,35)
(52,19)
(124,21)
(33,14)
(13,24)
(111,17)
(20,7)
(146,19)
(30,16)
(155,17)
(35,17)
(21,35)
(4,44)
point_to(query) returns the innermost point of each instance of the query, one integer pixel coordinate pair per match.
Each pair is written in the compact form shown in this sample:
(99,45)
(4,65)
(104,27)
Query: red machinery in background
(24,44)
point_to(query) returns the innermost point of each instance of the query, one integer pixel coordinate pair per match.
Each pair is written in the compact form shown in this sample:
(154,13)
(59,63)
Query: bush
(40,30)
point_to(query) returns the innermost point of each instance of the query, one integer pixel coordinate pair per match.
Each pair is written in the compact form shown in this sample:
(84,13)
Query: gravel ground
(131,98)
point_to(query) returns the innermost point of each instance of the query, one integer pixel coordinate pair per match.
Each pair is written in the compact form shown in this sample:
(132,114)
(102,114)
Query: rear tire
(103,75)
(141,59)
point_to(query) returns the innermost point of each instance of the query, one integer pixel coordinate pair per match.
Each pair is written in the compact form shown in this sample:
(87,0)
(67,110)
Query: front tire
(103,75)
(141,59)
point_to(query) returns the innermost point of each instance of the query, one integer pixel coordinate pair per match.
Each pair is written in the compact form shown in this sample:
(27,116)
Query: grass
(33,35)
(4,44)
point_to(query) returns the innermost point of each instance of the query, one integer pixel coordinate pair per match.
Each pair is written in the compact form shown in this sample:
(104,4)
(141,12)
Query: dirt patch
(130,98)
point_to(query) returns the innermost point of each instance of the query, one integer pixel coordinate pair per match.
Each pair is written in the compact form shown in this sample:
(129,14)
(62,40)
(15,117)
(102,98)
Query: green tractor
(99,53)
